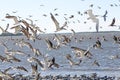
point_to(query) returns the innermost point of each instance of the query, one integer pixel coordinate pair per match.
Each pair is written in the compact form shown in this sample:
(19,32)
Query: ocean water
(105,57)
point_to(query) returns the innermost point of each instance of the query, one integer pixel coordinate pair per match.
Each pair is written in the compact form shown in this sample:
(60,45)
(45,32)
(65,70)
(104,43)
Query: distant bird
(104,39)
(65,39)
(97,44)
(50,45)
(99,7)
(96,63)
(21,68)
(115,38)
(113,22)
(14,11)
(78,12)
(33,59)
(44,15)
(58,28)
(53,63)
(72,16)
(93,18)
(58,40)
(34,69)
(55,9)
(42,5)
(73,32)
(91,5)
(6,76)
(105,15)
(71,62)
(17,29)
(17,68)
(4,59)
(5,30)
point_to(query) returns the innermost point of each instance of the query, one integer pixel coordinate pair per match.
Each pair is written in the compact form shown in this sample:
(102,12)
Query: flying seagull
(58,28)
(13,17)
(71,62)
(105,15)
(113,22)
(82,52)
(93,18)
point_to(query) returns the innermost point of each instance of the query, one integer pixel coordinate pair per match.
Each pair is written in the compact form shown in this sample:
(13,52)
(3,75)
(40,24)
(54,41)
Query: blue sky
(25,8)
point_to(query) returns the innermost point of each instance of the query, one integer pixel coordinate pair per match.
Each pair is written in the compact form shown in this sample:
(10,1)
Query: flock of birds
(13,48)
(26,25)
(43,61)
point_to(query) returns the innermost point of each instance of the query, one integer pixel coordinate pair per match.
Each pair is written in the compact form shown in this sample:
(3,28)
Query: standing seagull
(93,18)
(58,28)
(113,22)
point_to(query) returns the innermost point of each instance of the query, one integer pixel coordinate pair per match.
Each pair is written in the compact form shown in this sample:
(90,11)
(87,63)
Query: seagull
(5,30)
(97,44)
(58,28)
(13,52)
(34,69)
(6,76)
(82,52)
(25,32)
(17,28)
(105,15)
(91,5)
(73,32)
(21,68)
(33,59)
(13,58)
(68,56)
(13,17)
(93,18)
(58,40)
(31,21)
(72,16)
(49,44)
(115,38)
(4,59)
(43,64)
(18,68)
(96,63)
(53,63)
(113,22)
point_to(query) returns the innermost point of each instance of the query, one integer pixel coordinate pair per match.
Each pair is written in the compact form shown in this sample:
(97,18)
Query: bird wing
(55,21)
(104,16)
(113,22)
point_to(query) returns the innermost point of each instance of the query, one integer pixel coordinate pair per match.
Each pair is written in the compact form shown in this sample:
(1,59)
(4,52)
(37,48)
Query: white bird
(68,56)
(13,17)
(17,28)
(82,52)
(5,30)
(93,18)
(58,28)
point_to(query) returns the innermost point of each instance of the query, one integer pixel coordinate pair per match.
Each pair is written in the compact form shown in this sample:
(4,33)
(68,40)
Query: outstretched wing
(55,21)
(113,22)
